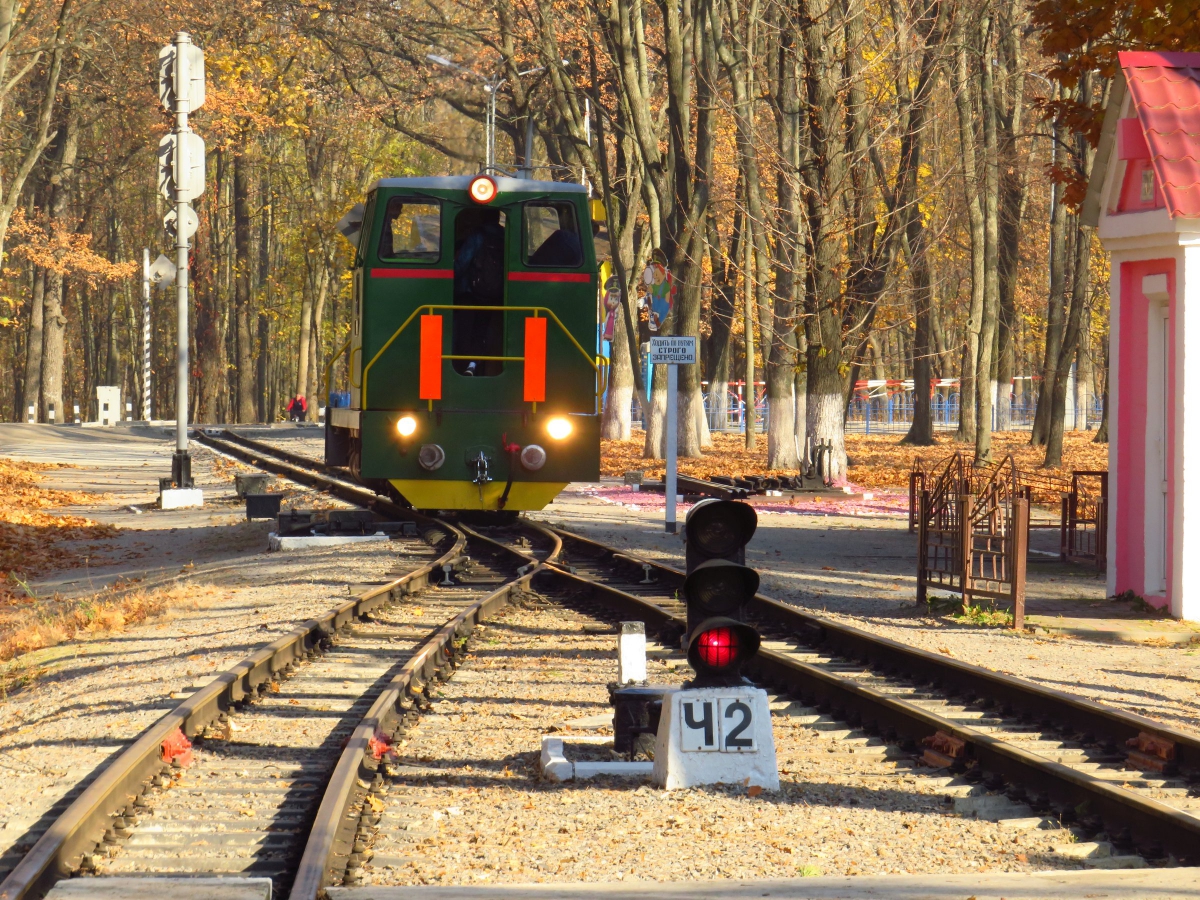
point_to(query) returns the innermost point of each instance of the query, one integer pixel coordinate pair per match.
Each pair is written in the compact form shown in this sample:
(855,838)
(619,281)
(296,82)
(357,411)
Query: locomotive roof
(462,182)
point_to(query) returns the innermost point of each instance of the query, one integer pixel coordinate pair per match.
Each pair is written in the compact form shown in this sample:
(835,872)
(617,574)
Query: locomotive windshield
(552,235)
(411,231)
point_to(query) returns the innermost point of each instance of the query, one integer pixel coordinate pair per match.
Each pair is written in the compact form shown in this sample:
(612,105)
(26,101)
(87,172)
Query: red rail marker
(177,748)
(431,358)
(535,360)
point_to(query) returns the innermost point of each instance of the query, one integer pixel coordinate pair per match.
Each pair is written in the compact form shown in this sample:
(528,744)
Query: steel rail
(331,837)
(57,853)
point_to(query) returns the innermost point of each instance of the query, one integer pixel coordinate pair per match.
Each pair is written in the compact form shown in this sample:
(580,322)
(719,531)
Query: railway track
(1019,751)
(1015,750)
(282,742)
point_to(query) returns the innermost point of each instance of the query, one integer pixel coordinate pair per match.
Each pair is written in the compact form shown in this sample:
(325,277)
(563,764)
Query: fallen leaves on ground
(33,539)
(876,461)
(35,624)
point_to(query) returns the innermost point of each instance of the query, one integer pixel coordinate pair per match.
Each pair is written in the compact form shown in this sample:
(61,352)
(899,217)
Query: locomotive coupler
(479,465)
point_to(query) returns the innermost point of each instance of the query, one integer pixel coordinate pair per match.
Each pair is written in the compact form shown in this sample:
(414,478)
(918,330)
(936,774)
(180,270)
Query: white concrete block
(308,542)
(716,736)
(181,498)
(554,764)
(618,767)
(155,888)
(1116,862)
(631,653)
(1084,849)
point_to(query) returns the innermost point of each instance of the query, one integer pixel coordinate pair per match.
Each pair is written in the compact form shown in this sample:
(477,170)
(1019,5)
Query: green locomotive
(474,377)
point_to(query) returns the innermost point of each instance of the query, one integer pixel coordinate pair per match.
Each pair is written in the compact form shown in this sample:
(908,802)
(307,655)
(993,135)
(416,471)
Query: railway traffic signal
(718,586)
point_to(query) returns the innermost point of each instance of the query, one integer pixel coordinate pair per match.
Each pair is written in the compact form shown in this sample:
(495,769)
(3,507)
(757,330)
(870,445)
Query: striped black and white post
(147,414)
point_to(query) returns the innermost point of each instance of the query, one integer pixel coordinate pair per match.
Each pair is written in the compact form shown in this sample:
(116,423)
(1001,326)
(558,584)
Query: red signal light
(483,189)
(718,648)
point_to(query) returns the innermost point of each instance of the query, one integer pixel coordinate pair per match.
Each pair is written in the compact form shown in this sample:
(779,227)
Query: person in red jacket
(298,409)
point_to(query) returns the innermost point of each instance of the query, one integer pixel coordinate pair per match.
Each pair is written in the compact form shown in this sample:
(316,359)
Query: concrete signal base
(181,498)
(716,736)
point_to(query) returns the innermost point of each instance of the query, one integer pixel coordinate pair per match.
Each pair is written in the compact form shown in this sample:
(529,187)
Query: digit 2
(732,740)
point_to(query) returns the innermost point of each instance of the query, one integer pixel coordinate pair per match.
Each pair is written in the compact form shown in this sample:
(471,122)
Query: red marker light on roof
(483,189)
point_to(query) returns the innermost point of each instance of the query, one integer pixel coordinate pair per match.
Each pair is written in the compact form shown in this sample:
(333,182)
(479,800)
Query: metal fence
(888,413)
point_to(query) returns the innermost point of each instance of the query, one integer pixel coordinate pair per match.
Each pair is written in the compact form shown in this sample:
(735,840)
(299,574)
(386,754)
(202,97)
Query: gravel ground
(486,815)
(862,571)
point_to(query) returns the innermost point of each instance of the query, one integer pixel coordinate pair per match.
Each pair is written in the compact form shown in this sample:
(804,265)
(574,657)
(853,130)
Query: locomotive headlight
(406,426)
(558,428)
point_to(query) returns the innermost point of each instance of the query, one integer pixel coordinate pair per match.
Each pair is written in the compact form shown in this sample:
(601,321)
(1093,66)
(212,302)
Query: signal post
(717,728)
(181,179)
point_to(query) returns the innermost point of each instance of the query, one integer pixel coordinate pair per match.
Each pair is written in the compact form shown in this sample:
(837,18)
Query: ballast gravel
(466,803)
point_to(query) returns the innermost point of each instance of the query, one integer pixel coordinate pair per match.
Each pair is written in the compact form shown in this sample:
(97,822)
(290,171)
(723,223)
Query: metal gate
(973,534)
(1085,519)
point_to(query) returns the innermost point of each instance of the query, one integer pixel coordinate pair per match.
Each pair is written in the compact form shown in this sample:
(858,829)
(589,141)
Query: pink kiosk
(1150,222)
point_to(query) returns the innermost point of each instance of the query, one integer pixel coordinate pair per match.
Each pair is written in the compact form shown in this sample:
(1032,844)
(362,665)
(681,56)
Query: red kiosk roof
(1165,88)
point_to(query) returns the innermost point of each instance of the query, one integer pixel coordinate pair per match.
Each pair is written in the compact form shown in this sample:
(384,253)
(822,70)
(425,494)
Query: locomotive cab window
(412,231)
(552,235)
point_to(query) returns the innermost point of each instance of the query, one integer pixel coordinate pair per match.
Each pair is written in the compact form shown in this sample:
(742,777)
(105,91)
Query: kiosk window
(552,235)
(411,231)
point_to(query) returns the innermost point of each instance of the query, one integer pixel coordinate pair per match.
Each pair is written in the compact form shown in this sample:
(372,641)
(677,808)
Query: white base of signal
(716,736)
(181,498)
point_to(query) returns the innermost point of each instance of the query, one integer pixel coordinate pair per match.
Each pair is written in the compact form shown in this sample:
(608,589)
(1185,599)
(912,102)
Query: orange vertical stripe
(431,358)
(535,360)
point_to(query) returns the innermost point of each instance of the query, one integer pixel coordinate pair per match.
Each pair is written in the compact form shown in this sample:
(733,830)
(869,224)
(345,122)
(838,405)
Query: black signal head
(720,587)
(719,528)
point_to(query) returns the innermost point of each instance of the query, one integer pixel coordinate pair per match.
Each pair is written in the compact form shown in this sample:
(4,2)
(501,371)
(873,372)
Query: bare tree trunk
(54,322)
(1084,374)
(720,343)
(318,314)
(245,405)
(1079,298)
(32,393)
(781,361)
(618,401)
(1102,432)
(963,90)
(984,369)
(1054,316)
(1011,208)
(750,416)
(800,391)
(920,433)
(266,410)
(306,313)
